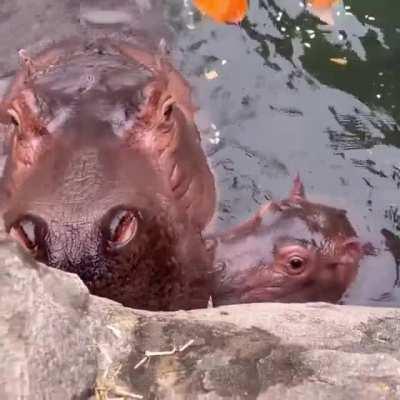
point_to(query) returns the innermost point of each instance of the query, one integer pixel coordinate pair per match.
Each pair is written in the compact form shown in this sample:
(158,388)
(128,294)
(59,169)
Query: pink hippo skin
(290,251)
(106,176)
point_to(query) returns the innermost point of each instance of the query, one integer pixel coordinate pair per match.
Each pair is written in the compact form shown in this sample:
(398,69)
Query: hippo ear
(353,248)
(27,62)
(297,193)
(352,252)
(348,262)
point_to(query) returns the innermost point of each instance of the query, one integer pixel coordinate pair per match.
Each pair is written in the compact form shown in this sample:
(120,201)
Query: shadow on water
(273,104)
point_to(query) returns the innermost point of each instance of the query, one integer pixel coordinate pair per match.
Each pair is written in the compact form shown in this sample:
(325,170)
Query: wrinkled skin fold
(106,177)
(290,251)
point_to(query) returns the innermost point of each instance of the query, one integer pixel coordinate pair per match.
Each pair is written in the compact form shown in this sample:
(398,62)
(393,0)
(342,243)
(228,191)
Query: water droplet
(210,75)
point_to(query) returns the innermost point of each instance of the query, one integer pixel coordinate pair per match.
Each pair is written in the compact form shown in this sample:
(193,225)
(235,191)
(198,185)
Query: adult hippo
(290,251)
(106,177)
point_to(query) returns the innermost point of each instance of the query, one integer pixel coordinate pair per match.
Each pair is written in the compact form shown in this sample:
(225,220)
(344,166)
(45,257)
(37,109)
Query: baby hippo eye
(122,228)
(296,264)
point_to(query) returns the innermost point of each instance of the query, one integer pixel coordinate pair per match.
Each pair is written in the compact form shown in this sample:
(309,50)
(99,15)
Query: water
(271,104)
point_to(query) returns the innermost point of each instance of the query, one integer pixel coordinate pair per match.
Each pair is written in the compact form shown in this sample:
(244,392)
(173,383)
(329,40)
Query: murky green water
(280,105)
(272,104)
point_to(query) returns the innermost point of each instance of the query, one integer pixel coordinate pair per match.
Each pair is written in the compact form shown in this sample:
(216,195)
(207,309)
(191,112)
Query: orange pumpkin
(227,11)
(323,9)
(323,4)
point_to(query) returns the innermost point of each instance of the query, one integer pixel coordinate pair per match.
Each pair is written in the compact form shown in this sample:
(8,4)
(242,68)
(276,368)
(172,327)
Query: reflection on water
(272,103)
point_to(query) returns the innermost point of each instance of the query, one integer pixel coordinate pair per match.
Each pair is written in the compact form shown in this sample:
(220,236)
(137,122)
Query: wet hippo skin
(290,251)
(106,177)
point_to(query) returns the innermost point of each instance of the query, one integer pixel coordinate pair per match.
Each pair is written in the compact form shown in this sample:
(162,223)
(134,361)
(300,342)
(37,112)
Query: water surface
(277,105)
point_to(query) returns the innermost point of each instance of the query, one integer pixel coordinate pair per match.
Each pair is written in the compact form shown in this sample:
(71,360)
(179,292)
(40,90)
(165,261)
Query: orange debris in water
(228,11)
(323,9)
(323,3)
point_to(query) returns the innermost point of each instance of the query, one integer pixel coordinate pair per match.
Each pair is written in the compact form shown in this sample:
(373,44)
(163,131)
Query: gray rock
(58,342)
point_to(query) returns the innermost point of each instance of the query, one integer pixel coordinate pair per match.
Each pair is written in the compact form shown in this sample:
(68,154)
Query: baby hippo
(290,251)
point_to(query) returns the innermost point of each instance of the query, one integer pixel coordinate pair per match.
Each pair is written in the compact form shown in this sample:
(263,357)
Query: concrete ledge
(58,342)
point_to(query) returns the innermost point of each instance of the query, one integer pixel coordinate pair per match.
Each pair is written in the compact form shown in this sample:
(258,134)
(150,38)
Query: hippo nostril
(14,117)
(30,231)
(120,227)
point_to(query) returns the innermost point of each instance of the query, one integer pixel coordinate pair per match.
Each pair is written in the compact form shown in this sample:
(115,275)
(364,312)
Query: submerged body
(291,251)
(106,177)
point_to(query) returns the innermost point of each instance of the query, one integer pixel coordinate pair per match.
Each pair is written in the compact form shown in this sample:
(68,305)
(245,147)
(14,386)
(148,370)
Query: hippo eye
(28,231)
(122,228)
(296,264)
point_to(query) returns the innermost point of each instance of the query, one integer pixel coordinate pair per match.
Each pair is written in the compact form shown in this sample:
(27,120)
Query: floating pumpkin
(323,9)
(226,11)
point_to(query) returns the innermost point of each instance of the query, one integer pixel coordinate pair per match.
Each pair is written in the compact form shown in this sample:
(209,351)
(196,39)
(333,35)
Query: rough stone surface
(58,342)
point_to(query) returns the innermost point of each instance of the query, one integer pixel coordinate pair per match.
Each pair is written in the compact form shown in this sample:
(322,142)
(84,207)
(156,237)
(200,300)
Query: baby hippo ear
(27,62)
(348,263)
(353,249)
(297,193)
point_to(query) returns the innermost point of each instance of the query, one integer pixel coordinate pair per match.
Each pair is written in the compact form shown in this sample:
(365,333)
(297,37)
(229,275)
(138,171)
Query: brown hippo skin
(106,177)
(290,251)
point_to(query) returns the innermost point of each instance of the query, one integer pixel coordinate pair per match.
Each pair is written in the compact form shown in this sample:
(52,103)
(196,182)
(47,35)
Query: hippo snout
(83,248)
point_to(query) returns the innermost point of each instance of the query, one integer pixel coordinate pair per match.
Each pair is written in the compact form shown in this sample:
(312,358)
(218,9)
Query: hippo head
(291,251)
(106,177)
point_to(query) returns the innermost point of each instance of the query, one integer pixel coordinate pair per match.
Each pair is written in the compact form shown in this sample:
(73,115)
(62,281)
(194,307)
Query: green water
(279,106)
(372,77)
